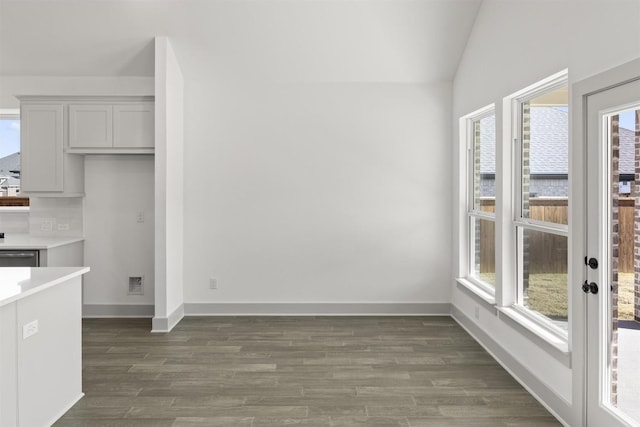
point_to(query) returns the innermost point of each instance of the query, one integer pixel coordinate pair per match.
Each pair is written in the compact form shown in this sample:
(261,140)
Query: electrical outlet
(477,313)
(47,225)
(140,216)
(213,283)
(29,329)
(63,227)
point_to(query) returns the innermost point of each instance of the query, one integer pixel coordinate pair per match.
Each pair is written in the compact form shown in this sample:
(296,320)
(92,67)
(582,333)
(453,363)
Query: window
(513,244)
(481,157)
(541,200)
(10,160)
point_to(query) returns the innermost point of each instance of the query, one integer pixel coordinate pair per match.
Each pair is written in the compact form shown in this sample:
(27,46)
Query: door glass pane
(623,317)
(484,251)
(543,275)
(545,156)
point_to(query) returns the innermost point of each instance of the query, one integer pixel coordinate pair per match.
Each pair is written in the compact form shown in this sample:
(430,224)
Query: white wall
(71,86)
(117,246)
(169,188)
(64,213)
(14,222)
(174,228)
(371,41)
(317,192)
(514,44)
(79,37)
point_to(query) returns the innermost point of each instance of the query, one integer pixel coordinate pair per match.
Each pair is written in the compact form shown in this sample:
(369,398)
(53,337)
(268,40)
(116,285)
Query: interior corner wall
(312,193)
(513,45)
(116,246)
(175,182)
(169,188)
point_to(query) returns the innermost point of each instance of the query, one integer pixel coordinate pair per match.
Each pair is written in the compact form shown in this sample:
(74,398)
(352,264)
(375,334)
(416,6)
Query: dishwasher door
(17,258)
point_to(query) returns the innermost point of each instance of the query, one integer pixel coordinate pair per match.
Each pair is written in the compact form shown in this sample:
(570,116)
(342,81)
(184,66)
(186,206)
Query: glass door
(612,288)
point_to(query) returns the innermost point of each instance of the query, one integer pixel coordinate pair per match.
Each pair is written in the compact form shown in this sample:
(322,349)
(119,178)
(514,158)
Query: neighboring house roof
(627,151)
(549,141)
(549,145)
(9,181)
(488,145)
(9,165)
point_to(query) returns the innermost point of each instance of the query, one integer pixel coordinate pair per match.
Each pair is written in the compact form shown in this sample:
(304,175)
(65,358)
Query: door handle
(591,262)
(589,287)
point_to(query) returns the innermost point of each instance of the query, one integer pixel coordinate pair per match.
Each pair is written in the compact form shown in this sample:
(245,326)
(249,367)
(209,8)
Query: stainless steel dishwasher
(19,258)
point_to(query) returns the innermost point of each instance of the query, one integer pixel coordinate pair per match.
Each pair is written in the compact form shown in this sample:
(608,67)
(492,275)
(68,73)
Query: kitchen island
(54,251)
(40,343)
(29,241)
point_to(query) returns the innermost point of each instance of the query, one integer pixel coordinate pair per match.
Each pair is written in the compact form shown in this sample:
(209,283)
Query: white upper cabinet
(117,127)
(46,170)
(55,130)
(133,125)
(41,147)
(90,126)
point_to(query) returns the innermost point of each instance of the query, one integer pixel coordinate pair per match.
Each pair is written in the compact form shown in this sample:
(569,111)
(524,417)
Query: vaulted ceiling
(308,40)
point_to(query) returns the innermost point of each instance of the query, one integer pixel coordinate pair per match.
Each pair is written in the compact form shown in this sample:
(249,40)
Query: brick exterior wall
(543,187)
(615,250)
(476,191)
(526,180)
(636,281)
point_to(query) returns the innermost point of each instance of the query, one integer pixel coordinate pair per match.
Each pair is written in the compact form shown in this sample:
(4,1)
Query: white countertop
(27,241)
(20,282)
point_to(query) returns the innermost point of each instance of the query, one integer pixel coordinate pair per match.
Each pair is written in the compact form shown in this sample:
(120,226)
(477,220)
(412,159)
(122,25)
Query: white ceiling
(308,40)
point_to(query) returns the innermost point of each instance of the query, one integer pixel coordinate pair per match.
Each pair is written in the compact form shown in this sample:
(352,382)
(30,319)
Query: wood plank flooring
(295,371)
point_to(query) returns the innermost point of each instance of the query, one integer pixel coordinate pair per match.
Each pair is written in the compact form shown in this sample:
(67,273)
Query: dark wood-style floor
(284,371)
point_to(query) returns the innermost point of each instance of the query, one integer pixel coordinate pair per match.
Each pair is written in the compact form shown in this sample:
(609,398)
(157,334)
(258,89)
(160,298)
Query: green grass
(625,296)
(548,294)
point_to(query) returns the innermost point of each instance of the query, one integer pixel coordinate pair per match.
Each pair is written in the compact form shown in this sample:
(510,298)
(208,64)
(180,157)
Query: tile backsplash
(55,216)
(14,222)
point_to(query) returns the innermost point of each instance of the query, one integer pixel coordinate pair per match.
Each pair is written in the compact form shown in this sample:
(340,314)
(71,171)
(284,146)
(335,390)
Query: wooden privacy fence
(548,252)
(14,201)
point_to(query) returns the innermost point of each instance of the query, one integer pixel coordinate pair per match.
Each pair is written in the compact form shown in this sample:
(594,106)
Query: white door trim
(578,170)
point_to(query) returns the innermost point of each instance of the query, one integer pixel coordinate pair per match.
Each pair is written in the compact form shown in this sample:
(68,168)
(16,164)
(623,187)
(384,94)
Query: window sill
(14,209)
(476,291)
(555,344)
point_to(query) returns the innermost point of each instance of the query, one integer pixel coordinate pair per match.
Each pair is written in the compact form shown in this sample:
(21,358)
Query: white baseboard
(70,405)
(166,324)
(117,310)
(317,309)
(554,403)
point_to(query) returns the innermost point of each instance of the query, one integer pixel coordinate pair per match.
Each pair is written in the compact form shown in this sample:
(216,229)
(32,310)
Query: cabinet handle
(17,255)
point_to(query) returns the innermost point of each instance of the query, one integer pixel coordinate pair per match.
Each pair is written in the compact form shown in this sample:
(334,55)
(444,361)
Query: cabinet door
(41,145)
(133,125)
(90,126)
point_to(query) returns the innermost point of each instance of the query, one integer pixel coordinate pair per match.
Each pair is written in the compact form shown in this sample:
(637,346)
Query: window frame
(501,300)
(471,213)
(13,114)
(519,223)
